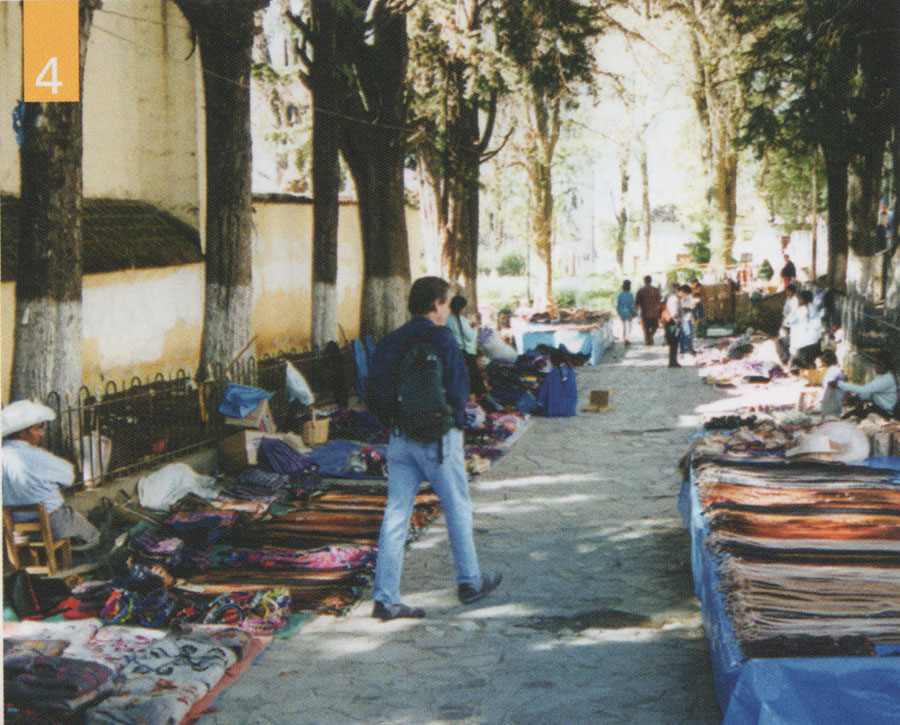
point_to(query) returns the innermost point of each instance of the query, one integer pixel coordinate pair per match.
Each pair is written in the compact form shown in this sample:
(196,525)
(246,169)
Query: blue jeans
(687,336)
(409,463)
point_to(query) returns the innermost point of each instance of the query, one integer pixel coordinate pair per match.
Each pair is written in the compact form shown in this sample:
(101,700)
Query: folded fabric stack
(808,552)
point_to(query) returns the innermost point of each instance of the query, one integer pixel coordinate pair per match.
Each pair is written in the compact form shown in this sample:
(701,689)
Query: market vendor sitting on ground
(879,395)
(33,475)
(410,460)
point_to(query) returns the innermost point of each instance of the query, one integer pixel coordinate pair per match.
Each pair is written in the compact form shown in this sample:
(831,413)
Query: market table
(593,340)
(785,689)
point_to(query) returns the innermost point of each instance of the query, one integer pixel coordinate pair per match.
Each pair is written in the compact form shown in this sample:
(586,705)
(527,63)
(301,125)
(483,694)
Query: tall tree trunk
(47,352)
(836,173)
(373,143)
(542,231)
(462,162)
(376,164)
(432,218)
(645,202)
(724,211)
(815,213)
(864,189)
(224,32)
(326,174)
(622,215)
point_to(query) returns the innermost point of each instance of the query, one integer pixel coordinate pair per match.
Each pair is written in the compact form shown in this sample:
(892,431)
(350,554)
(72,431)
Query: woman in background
(626,308)
(467,339)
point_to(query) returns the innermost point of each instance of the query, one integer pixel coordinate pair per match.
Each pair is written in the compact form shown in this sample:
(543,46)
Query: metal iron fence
(122,427)
(867,327)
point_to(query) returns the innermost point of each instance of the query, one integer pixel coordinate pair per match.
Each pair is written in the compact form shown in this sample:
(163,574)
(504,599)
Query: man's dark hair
(806,297)
(792,288)
(626,285)
(424,292)
(648,279)
(828,357)
(458,304)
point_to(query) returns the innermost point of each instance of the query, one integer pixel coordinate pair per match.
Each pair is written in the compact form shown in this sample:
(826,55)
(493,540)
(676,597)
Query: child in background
(833,397)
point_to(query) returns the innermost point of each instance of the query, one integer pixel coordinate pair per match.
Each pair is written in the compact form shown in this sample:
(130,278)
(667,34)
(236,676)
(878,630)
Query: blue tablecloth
(811,690)
(594,342)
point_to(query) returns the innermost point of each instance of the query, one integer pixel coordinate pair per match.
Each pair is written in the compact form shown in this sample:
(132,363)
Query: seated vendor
(33,475)
(878,395)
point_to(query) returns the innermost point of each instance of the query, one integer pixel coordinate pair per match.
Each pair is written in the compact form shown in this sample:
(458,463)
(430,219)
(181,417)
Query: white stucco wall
(140,104)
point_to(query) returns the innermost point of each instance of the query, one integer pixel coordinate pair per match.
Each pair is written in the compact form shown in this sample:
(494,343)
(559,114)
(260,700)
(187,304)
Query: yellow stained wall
(144,321)
(282,271)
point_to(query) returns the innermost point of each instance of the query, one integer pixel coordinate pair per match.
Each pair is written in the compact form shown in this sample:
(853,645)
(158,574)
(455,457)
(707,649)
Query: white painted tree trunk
(383,305)
(227,324)
(47,353)
(324,314)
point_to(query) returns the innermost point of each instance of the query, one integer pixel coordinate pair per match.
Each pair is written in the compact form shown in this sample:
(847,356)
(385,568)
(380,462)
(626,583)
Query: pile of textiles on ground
(732,362)
(808,551)
(87,672)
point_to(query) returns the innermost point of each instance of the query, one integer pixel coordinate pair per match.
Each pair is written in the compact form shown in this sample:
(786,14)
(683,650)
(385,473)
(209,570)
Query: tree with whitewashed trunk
(317,49)
(47,353)
(373,141)
(224,31)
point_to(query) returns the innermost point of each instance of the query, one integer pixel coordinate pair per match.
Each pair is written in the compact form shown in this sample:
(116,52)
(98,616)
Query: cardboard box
(240,449)
(259,419)
(813,376)
(315,431)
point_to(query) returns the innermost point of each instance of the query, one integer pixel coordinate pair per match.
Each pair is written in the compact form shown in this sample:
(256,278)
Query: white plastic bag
(162,488)
(297,387)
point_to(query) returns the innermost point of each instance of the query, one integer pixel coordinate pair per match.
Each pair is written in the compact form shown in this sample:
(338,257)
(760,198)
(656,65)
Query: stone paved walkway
(595,621)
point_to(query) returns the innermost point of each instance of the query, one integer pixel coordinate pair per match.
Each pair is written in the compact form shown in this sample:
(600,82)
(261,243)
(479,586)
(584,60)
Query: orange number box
(50,50)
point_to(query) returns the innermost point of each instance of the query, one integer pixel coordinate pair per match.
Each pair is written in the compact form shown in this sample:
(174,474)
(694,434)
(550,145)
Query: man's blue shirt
(387,355)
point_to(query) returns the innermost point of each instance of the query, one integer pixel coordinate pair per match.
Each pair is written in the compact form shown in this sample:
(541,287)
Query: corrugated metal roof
(118,234)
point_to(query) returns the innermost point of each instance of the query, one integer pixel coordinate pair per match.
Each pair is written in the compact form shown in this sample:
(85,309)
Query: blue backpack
(558,394)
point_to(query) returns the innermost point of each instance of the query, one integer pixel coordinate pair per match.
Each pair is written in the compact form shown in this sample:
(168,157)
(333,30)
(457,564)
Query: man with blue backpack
(418,386)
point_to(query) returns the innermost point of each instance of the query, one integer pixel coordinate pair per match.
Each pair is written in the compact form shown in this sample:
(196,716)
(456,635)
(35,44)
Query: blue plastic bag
(558,394)
(239,400)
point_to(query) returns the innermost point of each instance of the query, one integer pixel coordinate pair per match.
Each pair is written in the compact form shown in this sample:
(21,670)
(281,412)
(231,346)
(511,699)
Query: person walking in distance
(426,443)
(625,306)
(671,317)
(649,304)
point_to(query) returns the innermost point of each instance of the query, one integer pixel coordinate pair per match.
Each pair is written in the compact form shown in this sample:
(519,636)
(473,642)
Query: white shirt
(790,307)
(806,328)
(673,305)
(33,475)
(881,390)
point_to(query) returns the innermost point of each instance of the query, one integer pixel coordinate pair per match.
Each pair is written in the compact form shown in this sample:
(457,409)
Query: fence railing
(867,327)
(125,426)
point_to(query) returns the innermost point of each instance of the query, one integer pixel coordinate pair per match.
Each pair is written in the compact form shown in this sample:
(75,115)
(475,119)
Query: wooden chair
(28,542)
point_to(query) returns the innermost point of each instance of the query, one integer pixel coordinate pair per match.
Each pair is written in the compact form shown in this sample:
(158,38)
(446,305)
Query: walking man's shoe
(489,582)
(386,612)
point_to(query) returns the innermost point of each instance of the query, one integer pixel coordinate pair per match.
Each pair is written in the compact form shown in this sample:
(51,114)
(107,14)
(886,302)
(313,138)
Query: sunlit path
(595,620)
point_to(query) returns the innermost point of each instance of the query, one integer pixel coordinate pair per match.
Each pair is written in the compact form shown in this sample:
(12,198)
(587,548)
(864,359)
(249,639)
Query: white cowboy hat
(23,414)
(833,441)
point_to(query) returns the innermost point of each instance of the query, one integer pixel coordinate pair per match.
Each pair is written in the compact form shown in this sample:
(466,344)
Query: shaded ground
(595,620)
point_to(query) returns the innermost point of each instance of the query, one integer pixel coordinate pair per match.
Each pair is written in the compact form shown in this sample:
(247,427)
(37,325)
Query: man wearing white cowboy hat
(33,475)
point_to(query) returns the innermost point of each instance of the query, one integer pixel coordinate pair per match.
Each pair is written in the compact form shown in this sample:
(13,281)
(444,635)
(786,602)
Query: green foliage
(765,272)
(699,249)
(512,265)
(785,181)
(565,297)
